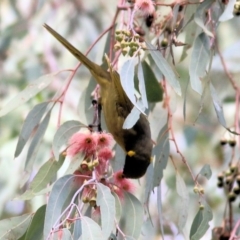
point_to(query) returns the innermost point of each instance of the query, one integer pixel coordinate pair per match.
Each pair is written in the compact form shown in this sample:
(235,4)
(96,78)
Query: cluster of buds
(236,10)
(128,43)
(230,180)
(231,142)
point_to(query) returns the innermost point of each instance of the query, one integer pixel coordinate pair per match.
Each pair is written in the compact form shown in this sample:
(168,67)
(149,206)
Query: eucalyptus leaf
(63,189)
(154,91)
(31,122)
(184,202)
(200,15)
(159,207)
(132,118)
(64,132)
(14,227)
(133,219)
(127,77)
(77,229)
(44,176)
(161,152)
(199,61)
(35,230)
(201,222)
(141,85)
(29,92)
(118,207)
(91,230)
(165,68)
(206,171)
(106,202)
(37,139)
(228,12)
(217,106)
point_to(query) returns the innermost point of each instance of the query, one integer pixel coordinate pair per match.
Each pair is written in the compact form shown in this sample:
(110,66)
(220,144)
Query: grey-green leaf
(141,85)
(184,202)
(200,15)
(37,139)
(132,118)
(133,220)
(14,227)
(199,61)
(127,78)
(201,222)
(77,229)
(63,190)
(35,230)
(161,152)
(206,171)
(106,202)
(218,106)
(165,68)
(153,90)
(32,120)
(228,12)
(64,132)
(45,174)
(118,207)
(30,91)
(91,230)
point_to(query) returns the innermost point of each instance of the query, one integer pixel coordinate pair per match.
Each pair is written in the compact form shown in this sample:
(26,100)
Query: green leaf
(30,91)
(141,85)
(206,171)
(161,152)
(64,132)
(106,202)
(32,120)
(153,89)
(91,230)
(37,139)
(133,213)
(165,68)
(199,61)
(35,230)
(201,222)
(14,227)
(217,106)
(228,12)
(184,202)
(44,176)
(63,190)
(200,15)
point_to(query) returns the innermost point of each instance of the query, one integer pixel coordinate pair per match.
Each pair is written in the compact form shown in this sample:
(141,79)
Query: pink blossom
(105,154)
(104,140)
(145,6)
(82,142)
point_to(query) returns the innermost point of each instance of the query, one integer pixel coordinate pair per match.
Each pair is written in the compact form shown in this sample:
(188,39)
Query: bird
(136,141)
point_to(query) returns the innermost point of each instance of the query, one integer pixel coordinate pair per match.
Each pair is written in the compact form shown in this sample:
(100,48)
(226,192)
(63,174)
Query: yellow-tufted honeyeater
(136,142)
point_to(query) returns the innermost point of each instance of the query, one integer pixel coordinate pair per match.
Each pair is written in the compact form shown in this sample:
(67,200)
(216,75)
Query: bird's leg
(99,108)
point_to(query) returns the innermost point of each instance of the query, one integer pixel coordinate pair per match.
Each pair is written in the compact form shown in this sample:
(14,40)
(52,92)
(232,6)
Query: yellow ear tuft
(131,153)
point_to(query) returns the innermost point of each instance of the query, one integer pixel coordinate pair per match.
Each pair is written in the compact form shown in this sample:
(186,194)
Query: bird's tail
(93,67)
